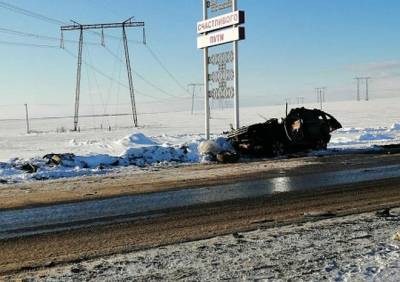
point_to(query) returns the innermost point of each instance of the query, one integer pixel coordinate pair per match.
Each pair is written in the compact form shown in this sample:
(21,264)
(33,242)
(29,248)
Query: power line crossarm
(101,26)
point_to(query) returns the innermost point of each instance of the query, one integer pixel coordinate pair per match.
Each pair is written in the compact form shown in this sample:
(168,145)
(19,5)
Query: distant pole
(358,87)
(194,85)
(320,95)
(286,108)
(27,119)
(320,98)
(366,88)
(192,102)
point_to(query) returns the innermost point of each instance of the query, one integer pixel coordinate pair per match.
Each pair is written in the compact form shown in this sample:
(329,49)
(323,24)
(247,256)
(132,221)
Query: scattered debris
(218,150)
(77,268)
(384,213)
(57,159)
(227,157)
(29,168)
(237,235)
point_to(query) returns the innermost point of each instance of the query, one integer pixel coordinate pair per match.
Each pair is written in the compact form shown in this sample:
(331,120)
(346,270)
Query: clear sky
(291,47)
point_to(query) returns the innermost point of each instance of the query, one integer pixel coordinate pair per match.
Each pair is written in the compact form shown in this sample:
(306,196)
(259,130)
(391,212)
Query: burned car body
(302,129)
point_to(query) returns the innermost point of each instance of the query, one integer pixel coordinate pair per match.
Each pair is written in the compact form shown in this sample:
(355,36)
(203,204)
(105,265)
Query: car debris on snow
(300,130)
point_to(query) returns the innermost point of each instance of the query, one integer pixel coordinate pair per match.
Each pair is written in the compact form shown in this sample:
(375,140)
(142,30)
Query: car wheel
(277,148)
(320,145)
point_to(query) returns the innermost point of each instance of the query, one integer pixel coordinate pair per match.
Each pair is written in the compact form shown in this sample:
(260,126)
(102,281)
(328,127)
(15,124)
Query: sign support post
(206,94)
(222,29)
(236,73)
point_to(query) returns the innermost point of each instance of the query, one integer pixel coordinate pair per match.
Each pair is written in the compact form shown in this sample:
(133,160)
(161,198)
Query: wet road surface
(29,221)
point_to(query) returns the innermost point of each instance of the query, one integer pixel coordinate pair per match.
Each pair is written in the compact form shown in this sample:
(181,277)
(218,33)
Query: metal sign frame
(227,27)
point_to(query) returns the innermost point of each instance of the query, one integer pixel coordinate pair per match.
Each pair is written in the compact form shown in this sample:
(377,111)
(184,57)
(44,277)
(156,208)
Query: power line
(39,36)
(28,13)
(47,19)
(153,54)
(140,75)
(106,75)
(117,81)
(92,115)
(50,20)
(28,44)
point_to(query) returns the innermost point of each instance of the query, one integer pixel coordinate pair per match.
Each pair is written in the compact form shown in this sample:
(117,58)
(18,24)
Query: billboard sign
(226,20)
(220,37)
(220,32)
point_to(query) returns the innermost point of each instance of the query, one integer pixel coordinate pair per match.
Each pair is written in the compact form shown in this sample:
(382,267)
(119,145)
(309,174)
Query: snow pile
(209,149)
(140,151)
(373,137)
(395,127)
(352,137)
(137,139)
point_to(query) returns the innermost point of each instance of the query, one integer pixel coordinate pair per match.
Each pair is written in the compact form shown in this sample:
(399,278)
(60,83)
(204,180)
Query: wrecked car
(302,129)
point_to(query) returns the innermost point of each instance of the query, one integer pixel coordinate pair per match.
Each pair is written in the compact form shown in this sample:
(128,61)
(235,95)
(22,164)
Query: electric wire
(39,36)
(140,75)
(4,42)
(106,75)
(170,74)
(47,19)
(29,13)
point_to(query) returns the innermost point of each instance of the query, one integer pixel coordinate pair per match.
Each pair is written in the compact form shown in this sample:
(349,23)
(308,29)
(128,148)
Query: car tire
(320,145)
(277,149)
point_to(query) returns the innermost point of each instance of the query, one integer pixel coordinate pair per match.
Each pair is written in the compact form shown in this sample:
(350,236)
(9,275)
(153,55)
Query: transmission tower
(81,28)
(366,88)
(194,86)
(358,87)
(320,95)
(367,78)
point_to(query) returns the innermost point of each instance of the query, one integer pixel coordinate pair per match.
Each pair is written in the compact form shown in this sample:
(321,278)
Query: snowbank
(140,151)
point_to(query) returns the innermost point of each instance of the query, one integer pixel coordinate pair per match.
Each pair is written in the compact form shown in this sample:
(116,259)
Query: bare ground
(43,252)
(351,248)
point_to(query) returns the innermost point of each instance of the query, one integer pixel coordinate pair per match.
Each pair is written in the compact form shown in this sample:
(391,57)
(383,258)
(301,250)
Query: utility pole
(194,86)
(320,95)
(358,87)
(27,119)
(366,88)
(78,79)
(81,28)
(366,78)
(300,100)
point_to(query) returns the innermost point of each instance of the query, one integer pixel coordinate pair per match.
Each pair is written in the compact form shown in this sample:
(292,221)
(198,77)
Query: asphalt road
(355,184)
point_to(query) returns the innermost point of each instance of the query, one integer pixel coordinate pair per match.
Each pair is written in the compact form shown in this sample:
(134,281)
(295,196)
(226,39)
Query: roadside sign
(226,20)
(220,37)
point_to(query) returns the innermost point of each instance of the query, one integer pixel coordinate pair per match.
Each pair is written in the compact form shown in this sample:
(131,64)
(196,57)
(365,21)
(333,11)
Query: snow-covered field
(167,137)
(352,248)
